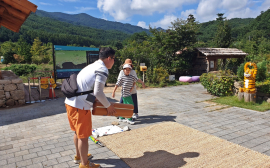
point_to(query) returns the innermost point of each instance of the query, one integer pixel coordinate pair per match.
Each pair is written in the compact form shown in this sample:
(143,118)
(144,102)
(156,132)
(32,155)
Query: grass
(260,105)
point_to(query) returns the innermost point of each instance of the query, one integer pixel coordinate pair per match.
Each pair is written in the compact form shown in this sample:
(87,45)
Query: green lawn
(233,101)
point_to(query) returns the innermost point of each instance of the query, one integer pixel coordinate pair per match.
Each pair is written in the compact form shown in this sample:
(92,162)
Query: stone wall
(11,90)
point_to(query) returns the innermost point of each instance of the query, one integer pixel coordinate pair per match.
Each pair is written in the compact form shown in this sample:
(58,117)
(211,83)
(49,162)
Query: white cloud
(123,9)
(265,5)
(165,22)
(208,9)
(48,4)
(79,10)
(184,14)
(142,24)
(233,5)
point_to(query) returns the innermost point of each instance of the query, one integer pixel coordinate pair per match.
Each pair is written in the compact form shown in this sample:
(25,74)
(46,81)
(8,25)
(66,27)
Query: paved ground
(38,135)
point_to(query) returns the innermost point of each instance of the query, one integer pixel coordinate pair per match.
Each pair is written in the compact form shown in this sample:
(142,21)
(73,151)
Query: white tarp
(108,130)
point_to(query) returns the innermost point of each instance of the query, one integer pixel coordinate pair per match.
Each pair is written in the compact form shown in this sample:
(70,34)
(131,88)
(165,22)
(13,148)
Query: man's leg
(121,100)
(83,149)
(75,139)
(135,102)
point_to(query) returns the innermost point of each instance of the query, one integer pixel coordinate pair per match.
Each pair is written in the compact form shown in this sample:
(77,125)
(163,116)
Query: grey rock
(20,86)
(2,92)
(268,100)
(5,82)
(21,102)
(17,94)
(10,102)
(16,81)
(1,87)
(2,102)
(7,95)
(2,96)
(265,98)
(238,85)
(10,87)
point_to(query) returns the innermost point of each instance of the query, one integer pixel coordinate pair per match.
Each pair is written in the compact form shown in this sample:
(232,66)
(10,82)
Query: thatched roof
(221,51)
(14,12)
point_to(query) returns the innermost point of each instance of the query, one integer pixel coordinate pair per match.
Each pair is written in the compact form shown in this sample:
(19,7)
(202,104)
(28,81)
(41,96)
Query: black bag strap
(83,93)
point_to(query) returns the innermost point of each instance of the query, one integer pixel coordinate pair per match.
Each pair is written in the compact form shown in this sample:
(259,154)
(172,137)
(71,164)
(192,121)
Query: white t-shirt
(133,73)
(86,81)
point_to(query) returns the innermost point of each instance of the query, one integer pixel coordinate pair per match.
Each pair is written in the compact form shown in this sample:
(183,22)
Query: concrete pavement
(38,135)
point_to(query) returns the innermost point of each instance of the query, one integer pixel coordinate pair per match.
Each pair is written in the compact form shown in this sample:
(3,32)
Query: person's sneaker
(129,121)
(121,119)
(89,165)
(135,116)
(77,159)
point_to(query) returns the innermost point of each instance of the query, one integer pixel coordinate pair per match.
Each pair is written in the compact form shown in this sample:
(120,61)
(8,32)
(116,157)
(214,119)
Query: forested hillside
(208,29)
(83,19)
(61,33)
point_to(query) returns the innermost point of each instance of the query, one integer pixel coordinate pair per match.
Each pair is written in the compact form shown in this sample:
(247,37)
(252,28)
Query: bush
(241,71)
(21,69)
(264,86)
(220,84)
(157,75)
(261,71)
(8,57)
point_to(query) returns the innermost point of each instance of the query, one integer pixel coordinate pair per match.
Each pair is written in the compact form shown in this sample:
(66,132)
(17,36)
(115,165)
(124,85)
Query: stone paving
(38,135)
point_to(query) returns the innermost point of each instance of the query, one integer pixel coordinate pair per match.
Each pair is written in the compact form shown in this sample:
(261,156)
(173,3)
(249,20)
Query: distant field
(76,57)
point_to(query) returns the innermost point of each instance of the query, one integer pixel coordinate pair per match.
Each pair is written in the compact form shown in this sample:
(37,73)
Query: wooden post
(208,66)
(247,97)
(252,97)
(143,76)
(240,96)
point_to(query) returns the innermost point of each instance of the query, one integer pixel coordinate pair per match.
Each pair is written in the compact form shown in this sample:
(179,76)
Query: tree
(24,50)
(8,57)
(18,58)
(222,37)
(180,37)
(36,47)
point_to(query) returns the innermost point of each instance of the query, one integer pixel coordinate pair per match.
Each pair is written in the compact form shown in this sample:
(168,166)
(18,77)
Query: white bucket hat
(127,66)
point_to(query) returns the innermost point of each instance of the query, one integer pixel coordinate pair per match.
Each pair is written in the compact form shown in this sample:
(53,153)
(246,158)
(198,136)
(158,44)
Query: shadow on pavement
(32,111)
(159,158)
(154,119)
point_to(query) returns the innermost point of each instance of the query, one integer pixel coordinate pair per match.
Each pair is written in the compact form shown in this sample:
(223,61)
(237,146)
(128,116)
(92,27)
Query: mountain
(83,19)
(208,29)
(62,33)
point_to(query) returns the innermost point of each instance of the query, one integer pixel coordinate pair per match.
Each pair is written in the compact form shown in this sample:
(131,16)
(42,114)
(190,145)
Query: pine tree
(222,37)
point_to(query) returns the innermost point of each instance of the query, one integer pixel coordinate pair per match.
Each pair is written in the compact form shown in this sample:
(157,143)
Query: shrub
(157,75)
(220,84)
(21,69)
(264,86)
(241,71)
(261,71)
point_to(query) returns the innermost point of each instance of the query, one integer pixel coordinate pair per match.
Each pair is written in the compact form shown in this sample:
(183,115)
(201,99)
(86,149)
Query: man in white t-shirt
(92,77)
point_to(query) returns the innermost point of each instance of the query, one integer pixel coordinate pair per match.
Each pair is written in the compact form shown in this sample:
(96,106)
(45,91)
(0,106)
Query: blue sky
(157,13)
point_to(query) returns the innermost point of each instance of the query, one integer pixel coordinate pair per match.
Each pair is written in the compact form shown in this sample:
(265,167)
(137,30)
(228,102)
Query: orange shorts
(80,121)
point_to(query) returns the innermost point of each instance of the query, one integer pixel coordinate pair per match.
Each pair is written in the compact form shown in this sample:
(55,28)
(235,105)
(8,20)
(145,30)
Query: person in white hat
(127,82)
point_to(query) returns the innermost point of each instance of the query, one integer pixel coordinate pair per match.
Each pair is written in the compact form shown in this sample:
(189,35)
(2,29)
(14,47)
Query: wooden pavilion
(207,58)
(13,13)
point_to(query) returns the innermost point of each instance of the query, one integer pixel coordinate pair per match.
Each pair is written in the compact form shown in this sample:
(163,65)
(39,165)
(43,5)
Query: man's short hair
(106,52)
